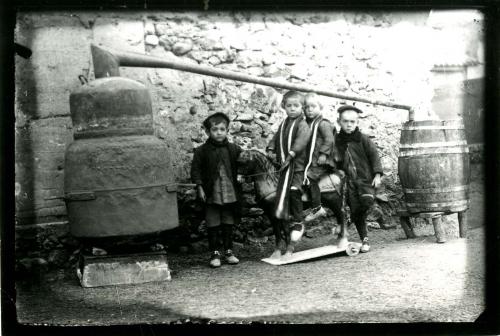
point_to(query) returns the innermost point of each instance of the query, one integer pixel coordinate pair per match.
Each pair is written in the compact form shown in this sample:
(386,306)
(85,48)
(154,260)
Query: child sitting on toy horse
(319,153)
(304,147)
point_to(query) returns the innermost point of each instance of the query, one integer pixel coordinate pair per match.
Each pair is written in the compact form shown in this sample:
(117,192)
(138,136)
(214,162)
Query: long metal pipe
(107,63)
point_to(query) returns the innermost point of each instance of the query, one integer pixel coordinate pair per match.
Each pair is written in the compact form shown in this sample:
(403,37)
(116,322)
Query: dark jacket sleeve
(373,157)
(272,144)
(326,132)
(237,151)
(302,138)
(196,167)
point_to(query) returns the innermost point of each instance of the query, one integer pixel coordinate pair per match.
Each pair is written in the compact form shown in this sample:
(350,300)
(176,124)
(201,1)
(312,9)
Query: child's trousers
(296,206)
(220,221)
(216,214)
(223,231)
(359,202)
(315,193)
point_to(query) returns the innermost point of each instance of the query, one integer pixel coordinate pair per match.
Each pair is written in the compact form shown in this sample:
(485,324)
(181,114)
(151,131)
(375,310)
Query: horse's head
(253,161)
(246,164)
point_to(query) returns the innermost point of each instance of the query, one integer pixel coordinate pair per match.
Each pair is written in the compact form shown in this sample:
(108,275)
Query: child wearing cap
(359,158)
(214,171)
(318,153)
(289,144)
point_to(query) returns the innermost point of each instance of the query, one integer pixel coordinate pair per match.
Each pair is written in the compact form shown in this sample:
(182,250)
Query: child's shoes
(215,259)
(231,258)
(296,232)
(365,247)
(315,214)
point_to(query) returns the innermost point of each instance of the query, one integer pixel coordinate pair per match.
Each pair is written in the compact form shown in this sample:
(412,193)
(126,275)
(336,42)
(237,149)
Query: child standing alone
(318,153)
(360,160)
(214,171)
(289,144)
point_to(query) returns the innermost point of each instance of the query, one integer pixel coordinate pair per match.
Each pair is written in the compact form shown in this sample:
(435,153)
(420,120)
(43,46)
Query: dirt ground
(400,280)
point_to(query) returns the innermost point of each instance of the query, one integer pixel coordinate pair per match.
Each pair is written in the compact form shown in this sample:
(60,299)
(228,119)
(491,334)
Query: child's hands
(240,179)
(201,194)
(376,181)
(322,159)
(286,163)
(340,173)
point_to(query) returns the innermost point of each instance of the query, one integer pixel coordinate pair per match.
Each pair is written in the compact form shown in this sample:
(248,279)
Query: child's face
(313,108)
(218,132)
(348,121)
(293,107)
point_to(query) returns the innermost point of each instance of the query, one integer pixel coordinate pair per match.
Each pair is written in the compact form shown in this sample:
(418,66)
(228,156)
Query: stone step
(109,270)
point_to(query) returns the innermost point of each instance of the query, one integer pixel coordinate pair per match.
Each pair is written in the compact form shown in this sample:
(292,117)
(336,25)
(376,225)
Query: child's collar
(319,116)
(217,144)
(354,136)
(300,116)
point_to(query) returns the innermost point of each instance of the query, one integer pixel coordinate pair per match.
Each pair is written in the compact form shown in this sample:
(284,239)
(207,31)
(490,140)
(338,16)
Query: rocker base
(351,249)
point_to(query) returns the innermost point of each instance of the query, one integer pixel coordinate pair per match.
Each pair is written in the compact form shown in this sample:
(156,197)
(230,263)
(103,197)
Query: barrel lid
(433,124)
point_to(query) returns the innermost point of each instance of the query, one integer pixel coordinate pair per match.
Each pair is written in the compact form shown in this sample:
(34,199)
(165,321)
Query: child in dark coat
(214,171)
(318,153)
(289,144)
(360,160)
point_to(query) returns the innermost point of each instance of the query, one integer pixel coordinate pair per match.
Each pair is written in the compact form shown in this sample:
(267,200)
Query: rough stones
(182,48)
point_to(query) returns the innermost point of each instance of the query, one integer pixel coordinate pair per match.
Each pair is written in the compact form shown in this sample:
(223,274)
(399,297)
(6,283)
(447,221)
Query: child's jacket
(359,158)
(206,164)
(323,145)
(299,143)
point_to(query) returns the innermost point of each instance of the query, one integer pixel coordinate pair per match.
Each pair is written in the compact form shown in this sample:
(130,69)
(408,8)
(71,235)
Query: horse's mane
(264,164)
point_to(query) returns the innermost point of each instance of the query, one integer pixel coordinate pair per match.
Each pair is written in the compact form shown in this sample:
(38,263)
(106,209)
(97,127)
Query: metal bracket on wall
(80,196)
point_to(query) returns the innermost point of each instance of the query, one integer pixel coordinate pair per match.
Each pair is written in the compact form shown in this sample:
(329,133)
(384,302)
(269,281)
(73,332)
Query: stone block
(246,59)
(244,117)
(210,43)
(39,168)
(149,28)
(182,47)
(166,42)
(98,271)
(252,212)
(151,40)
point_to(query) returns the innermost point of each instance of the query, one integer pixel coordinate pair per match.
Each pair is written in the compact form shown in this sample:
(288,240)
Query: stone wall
(374,55)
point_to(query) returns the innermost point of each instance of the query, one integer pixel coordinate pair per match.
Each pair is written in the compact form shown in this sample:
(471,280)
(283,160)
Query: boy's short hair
(344,108)
(215,119)
(292,94)
(315,96)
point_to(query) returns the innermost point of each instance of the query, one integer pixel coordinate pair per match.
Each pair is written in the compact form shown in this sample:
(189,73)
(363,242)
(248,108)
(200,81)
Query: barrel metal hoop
(427,151)
(169,187)
(89,134)
(433,144)
(438,205)
(435,190)
(423,128)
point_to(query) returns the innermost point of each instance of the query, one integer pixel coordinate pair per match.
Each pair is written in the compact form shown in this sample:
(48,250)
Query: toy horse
(265,177)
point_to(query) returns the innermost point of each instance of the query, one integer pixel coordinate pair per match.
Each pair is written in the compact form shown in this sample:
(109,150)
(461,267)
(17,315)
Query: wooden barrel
(433,166)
